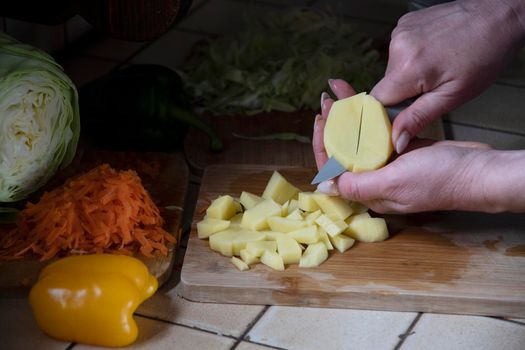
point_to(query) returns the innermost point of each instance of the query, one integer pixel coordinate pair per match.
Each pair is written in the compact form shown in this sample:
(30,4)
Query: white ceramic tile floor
(224,319)
(251,346)
(222,16)
(281,3)
(315,328)
(19,331)
(170,50)
(499,107)
(443,332)
(387,11)
(164,336)
(497,139)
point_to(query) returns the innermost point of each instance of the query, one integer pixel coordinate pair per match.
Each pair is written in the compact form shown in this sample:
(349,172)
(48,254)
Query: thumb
(417,116)
(390,90)
(362,187)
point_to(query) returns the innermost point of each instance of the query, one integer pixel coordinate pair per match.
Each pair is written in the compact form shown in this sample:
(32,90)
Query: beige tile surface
(499,107)
(169,50)
(382,10)
(251,346)
(222,16)
(442,332)
(520,320)
(315,328)
(497,139)
(19,331)
(159,336)
(227,319)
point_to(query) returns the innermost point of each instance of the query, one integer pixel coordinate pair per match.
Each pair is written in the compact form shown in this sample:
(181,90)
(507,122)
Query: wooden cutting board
(461,263)
(164,175)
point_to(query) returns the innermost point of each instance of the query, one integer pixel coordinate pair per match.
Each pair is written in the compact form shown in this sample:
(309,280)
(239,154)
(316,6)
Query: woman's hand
(429,176)
(446,55)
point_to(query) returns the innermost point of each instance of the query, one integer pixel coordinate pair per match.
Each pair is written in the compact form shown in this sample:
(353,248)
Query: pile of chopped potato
(285,226)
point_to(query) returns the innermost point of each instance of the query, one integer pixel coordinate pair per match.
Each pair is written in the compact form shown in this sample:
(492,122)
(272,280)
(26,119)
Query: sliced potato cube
(209,226)
(367,229)
(257,248)
(295,215)
(272,236)
(246,236)
(222,242)
(323,237)
(314,255)
(221,208)
(293,206)
(358,208)
(279,189)
(342,243)
(248,257)
(333,205)
(356,217)
(249,200)
(306,235)
(241,265)
(256,217)
(273,260)
(235,222)
(238,206)
(310,218)
(280,224)
(289,249)
(284,209)
(331,226)
(307,202)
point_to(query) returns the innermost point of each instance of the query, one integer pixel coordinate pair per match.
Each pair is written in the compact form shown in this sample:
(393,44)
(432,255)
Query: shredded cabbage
(280,62)
(39,119)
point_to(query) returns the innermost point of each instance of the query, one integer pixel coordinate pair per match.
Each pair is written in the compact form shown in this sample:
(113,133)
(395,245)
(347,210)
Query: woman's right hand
(446,55)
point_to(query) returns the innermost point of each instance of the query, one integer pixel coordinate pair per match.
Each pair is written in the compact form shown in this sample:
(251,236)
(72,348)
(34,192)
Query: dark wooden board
(271,152)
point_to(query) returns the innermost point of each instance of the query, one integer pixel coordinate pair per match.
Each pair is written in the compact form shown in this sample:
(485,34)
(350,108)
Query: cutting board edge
(348,300)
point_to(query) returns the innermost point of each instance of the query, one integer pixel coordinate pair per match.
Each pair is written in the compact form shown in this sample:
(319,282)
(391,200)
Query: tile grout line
(265,345)
(506,320)
(513,85)
(250,326)
(407,333)
(482,127)
(185,326)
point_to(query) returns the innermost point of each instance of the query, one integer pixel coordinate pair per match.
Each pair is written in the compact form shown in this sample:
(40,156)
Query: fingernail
(402,142)
(324,96)
(328,187)
(331,83)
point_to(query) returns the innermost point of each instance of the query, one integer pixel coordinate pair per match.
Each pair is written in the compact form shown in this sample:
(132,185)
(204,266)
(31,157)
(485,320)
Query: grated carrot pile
(102,211)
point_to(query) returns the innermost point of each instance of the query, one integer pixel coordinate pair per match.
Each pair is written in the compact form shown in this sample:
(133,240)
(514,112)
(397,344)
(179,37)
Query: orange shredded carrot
(102,211)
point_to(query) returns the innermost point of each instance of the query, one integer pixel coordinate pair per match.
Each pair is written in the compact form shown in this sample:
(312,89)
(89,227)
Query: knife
(333,168)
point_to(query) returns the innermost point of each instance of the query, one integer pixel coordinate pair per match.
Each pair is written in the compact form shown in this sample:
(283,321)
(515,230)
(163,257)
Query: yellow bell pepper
(90,299)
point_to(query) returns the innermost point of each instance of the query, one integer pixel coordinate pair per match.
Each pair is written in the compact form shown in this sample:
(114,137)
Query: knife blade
(332,168)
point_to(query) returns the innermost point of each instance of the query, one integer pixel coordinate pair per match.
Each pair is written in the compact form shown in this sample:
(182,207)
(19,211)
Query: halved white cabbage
(39,119)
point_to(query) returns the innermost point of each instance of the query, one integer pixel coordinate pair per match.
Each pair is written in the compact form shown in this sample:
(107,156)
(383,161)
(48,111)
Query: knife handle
(394,110)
